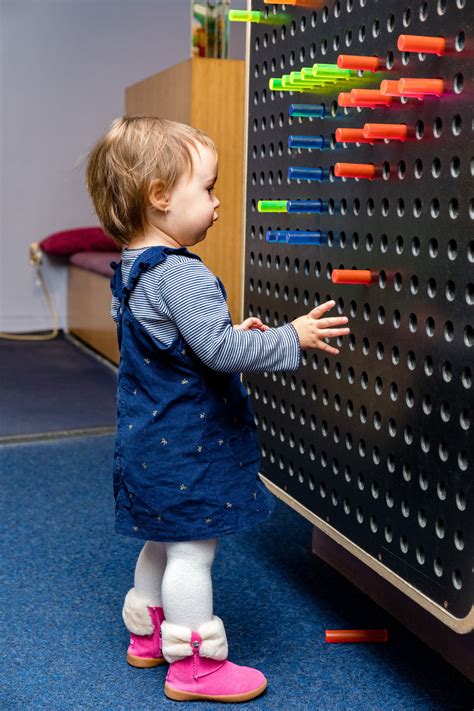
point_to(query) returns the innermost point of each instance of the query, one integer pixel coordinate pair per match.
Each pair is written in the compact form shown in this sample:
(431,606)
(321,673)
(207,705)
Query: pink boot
(144,624)
(199,670)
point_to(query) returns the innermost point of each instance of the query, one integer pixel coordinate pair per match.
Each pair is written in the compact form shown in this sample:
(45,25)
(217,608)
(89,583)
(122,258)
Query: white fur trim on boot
(135,613)
(176,640)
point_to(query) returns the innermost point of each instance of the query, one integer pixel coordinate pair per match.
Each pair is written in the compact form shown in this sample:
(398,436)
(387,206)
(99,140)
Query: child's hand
(251,323)
(312,329)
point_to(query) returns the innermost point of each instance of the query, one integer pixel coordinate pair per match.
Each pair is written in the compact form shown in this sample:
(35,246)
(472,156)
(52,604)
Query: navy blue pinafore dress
(186,454)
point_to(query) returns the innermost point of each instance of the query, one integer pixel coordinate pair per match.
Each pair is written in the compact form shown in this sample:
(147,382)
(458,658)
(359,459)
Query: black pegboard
(377,441)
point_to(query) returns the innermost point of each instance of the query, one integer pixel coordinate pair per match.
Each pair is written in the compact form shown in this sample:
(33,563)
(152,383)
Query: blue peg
(320,111)
(315,142)
(316,206)
(296,237)
(307,110)
(318,174)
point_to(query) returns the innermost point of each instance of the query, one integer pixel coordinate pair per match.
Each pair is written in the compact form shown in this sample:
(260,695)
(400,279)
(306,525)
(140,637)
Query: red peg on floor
(333,636)
(353,276)
(421,44)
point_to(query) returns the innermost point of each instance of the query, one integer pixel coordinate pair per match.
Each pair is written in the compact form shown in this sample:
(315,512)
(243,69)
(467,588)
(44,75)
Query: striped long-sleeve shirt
(182,295)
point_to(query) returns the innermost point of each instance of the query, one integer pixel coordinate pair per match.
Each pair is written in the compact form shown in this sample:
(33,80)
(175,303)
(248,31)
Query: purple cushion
(80,239)
(98,262)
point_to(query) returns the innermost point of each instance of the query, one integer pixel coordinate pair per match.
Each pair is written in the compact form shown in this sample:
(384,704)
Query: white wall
(64,65)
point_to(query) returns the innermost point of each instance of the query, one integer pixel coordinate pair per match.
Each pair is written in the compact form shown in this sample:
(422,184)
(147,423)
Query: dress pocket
(244,448)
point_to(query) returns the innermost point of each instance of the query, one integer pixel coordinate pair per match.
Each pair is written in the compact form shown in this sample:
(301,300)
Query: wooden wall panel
(166,94)
(88,317)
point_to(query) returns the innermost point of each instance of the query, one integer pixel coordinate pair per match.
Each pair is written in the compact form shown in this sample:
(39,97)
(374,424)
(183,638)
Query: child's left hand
(251,323)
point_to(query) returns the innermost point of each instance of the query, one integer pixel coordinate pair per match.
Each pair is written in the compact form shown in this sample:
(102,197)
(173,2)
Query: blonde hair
(134,152)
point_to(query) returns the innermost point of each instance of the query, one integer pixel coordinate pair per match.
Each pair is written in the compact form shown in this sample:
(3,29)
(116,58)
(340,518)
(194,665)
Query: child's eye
(209,190)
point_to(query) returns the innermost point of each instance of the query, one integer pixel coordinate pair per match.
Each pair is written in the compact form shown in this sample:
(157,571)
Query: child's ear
(157,197)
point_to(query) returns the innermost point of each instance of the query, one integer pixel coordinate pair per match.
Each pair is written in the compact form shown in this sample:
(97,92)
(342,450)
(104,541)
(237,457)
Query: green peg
(272,206)
(290,82)
(276,84)
(332,71)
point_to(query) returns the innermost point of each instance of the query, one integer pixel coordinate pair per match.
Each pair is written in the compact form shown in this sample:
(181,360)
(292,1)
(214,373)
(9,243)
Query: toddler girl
(187,456)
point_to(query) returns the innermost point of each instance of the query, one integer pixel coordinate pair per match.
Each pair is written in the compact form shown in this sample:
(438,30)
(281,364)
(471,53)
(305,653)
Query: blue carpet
(52,386)
(67,573)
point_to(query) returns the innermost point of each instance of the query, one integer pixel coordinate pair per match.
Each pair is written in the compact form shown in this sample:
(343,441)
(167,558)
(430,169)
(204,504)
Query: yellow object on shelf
(246,16)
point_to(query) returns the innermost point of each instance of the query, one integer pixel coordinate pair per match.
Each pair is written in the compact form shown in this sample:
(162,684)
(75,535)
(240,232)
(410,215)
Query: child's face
(192,203)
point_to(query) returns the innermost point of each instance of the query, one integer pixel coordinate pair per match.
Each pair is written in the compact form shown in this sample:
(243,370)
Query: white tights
(177,577)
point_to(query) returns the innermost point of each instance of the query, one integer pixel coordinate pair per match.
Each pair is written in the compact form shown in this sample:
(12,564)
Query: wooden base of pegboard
(457,649)
(449,636)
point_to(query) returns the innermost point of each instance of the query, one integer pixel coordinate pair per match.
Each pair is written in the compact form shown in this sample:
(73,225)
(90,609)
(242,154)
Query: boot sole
(177,695)
(144,662)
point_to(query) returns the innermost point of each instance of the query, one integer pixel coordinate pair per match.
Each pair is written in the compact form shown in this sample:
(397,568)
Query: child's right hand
(312,329)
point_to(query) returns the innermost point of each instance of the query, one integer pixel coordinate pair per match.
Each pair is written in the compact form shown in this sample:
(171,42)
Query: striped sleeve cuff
(292,347)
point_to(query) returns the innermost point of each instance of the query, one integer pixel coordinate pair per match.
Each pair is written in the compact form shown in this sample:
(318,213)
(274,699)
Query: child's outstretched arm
(311,328)
(198,308)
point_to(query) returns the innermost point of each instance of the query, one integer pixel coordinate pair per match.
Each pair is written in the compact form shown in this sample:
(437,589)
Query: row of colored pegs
(410,88)
(370,133)
(261,17)
(293,206)
(317,238)
(405,43)
(308,79)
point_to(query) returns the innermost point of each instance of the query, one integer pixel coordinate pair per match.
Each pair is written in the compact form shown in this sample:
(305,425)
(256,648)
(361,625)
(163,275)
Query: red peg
(366,64)
(351,135)
(421,87)
(381,131)
(389,87)
(353,276)
(355,170)
(369,98)
(333,636)
(418,43)
(345,99)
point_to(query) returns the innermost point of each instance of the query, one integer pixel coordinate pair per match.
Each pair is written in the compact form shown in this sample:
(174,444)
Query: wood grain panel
(89,318)
(219,111)
(166,94)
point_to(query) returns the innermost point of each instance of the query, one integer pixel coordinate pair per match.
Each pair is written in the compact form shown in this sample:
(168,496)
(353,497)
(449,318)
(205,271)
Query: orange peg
(351,135)
(369,97)
(418,43)
(345,99)
(355,170)
(353,276)
(381,131)
(356,635)
(388,87)
(420,87)
(366,64)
